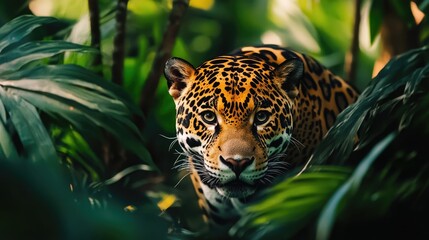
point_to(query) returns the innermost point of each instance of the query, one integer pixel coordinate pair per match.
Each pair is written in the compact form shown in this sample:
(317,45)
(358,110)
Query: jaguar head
(234,119)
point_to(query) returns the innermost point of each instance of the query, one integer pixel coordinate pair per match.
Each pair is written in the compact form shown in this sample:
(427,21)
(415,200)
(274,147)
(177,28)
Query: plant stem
(163,53)
(353,55)
(119,43)
(113,154)
(94,19)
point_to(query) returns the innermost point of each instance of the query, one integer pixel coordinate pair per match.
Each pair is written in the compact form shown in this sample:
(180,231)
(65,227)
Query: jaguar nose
(237,165)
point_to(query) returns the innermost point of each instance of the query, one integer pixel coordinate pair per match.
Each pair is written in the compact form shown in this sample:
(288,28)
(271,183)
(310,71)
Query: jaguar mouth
(236,189)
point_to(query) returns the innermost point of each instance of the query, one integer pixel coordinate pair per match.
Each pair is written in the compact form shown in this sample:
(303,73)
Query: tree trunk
(396,36)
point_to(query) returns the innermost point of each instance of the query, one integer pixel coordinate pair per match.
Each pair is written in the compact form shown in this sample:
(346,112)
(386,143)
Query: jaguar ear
(290,73)
(177,72)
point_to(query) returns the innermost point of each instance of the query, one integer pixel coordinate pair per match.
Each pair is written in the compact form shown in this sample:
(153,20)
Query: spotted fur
(244,119)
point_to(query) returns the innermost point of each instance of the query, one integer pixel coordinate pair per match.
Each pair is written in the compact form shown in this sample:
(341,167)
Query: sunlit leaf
(166,201)
(203,4)
(71,144)
(120,175)
(64,9)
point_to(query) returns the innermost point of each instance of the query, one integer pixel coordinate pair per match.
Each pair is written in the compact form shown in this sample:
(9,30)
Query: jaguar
(246,118)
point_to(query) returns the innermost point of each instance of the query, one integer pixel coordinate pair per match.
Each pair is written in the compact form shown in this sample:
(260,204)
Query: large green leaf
(375,18)
(385,117)
(68,92)
(81,100)
(71,145)
(330,210)
(30,129)
(20,27)
(7,148)
(288,206)
(14,59)
(396,83)
(79,77)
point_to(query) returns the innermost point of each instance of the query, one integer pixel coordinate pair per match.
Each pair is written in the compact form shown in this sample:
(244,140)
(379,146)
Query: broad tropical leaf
(329,213)
(28,126)
(290,204)
(71,145)
(19,28)
(375,19)
(13,60)
(68,92)
(388,95)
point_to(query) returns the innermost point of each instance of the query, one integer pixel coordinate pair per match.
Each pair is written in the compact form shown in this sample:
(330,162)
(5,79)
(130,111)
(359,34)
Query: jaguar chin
(236,189)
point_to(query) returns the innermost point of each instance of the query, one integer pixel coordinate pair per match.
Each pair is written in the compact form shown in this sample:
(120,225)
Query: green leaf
(375,18)
(30,129)
(403,9)
(327,217)
(32,51)
(74,94)
(7,148)
(423,6)
(378,99)
(20,27)
(289,204)
(79,76)
(71,144)
(120,175)
(2,113)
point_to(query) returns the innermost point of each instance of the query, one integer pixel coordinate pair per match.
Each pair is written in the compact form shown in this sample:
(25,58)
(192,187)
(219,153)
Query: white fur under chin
(244,192)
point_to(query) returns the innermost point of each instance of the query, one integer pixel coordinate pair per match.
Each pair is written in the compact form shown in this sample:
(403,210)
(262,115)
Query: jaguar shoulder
(246,118)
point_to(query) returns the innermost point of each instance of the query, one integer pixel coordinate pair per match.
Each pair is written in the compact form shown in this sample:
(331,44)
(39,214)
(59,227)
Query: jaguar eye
(261,117)
(209,117)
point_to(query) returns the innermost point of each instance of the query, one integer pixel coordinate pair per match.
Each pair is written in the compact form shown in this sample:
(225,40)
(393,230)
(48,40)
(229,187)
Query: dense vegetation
(86,122)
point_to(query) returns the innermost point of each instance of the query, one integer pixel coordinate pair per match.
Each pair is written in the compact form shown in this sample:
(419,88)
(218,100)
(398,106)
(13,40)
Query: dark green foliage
(386,176)
(40,205)
(49,114)
(401,8)
(388,104)
(290,204)
(70,92)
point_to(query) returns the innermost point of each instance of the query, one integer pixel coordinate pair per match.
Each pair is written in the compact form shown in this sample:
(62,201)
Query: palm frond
(67,92)
(386,102)
(287,207)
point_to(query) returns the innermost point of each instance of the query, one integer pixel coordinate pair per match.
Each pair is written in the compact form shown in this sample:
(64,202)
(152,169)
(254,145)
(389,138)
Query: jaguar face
(234,119)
